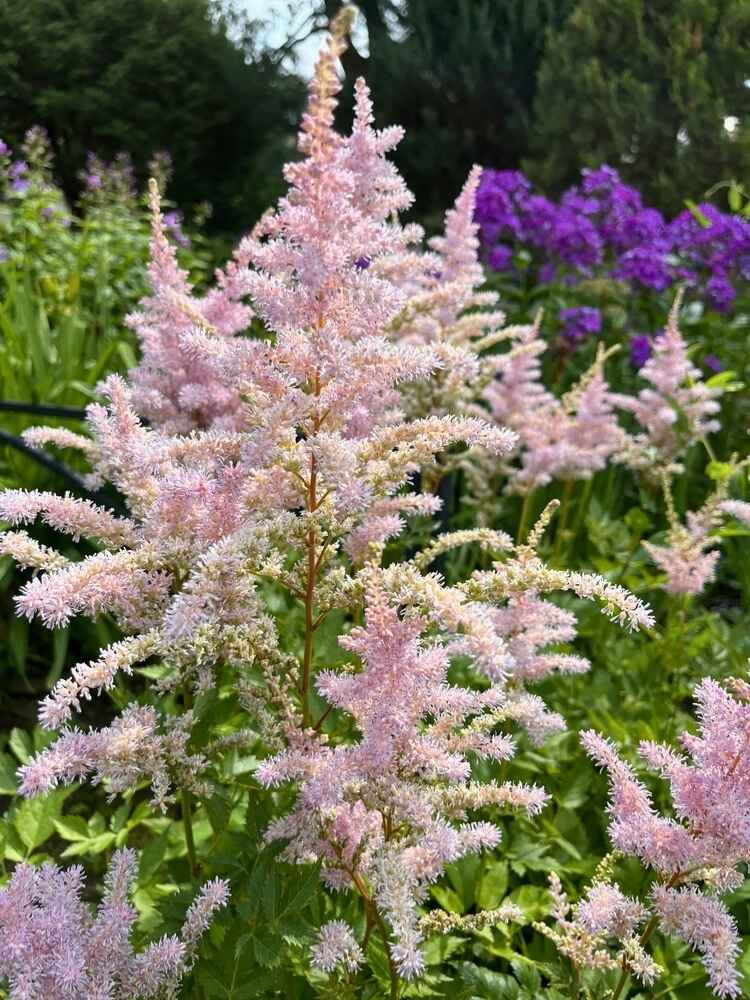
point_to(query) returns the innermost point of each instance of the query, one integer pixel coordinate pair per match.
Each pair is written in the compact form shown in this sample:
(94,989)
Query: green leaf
(219,809)
(8,779)
(21,745)
(734,196)
(526,974)
(489,984)
(72,828)
(34,819)
(492,886)
(447,898)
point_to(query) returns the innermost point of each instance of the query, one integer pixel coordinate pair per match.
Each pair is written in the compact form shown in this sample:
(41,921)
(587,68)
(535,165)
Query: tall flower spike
(675,410)
(172,388)
(52,948)
(709,835)
(567,439)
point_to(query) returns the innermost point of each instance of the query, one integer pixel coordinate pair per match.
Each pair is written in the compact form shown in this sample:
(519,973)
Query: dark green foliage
(645,85)
(148,75)
(460,77)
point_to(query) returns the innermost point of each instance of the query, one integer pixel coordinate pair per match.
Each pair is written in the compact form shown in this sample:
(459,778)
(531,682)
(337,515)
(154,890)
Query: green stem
(625,974)
(185,805)
(562,523)
(187,823)
(523,527)
(583,506)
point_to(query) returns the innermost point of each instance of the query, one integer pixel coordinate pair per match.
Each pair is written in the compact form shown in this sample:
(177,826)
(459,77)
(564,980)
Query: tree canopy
(657,88)
(149,75)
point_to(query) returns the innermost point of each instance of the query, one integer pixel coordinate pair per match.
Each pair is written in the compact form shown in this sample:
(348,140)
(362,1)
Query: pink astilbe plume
(675,410)
(135,747)
(53,948)
(709,835)
(737,508)
(385,813)
(261,491)
(446,310)
(172,387)
(689,556)
(528,624)
(306,481)
(517,390)
(566,439)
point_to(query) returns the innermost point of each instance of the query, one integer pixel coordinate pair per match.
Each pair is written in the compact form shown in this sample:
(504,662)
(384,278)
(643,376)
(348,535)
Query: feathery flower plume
(172,387)
(709,834)
(313,462)
(566,439)
(675,410)
(53,948)
(385,814)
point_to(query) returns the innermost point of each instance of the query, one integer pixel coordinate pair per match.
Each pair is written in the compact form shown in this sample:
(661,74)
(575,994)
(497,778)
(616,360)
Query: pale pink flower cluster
(566,439)
(137,745)
(384,815)
(314,459)
(446,310)
(689,556)
(585,933)
(337,946)
(172,386)
(675,410)
(53,948)
(705,840)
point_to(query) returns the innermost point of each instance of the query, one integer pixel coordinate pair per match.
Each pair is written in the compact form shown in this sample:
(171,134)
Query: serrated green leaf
(492,886)
(72,828)
(8,778)
(21,745)
(34,819)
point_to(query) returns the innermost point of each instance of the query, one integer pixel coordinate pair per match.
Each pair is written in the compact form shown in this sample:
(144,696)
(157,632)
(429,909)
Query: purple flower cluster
(580,322)
(601,226)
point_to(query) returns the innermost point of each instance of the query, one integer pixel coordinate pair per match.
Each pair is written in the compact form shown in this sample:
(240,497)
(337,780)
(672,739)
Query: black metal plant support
(74,481)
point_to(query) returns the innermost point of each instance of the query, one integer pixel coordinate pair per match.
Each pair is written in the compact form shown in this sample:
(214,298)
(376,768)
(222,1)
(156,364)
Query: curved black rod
(43,409)
(70,477)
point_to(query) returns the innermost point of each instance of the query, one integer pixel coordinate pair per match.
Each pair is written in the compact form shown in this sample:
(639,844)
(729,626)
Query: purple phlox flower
(646,265)
(576,241)
(18,169)
(500,257)
(713,363)
(603,177)
(640,349)
(580,322)
(4,148)
(721,292)
(173,223)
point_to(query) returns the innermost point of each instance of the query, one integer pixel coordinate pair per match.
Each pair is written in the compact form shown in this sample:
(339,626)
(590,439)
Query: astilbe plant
(172,387)
(674,411)
(566,439)
(689,557)
(385,814)
(694,854)
(52,946)
(284,464)
(447,310)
